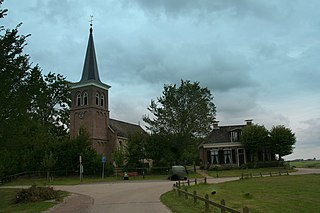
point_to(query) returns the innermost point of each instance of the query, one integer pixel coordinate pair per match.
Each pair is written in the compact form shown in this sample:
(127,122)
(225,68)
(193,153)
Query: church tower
(89,103)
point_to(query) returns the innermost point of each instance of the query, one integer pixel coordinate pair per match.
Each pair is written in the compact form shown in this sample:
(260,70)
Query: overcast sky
(260,59)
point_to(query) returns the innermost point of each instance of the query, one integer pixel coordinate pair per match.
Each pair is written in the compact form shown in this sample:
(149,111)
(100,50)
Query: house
(223,147)
(90,109)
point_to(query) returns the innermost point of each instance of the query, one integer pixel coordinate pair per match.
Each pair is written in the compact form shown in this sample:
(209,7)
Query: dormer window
(78,99)
(85,98)
(102,100)
(97,99)
(235,136)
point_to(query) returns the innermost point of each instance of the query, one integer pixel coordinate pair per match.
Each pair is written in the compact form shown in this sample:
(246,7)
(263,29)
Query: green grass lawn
(294,194)
(254,172)
(306,164)
(7,204)
(74,180)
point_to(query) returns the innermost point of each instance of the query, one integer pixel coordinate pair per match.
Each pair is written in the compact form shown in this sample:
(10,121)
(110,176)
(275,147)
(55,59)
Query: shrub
(35,193)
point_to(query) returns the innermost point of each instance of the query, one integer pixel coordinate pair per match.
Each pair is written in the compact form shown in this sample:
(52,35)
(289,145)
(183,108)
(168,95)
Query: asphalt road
(131,197)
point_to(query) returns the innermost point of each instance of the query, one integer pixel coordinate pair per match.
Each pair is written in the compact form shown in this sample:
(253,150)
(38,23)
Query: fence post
(195,181)
(223,203)
(186,194)
(241,176)
(270,174)
(260,174)
(287,172)
(205,179)
(245,209)
(279,172)
(206,203)
(188,182)
(194,197)
(174,188)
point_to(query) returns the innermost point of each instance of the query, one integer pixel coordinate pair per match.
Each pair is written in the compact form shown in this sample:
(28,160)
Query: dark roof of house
(124,129)
(222,134)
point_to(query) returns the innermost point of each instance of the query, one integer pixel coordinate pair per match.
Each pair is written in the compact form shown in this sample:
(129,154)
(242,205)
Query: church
(90,109)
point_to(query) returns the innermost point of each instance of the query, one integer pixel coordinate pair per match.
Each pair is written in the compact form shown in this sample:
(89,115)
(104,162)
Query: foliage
(282,140)
(35,193)
(180,116)
(136,149)
(255,138)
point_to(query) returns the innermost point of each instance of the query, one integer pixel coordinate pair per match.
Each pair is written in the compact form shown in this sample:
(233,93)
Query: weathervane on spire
(91,20)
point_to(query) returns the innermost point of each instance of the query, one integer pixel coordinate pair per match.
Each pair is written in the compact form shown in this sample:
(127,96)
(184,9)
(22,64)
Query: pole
(102,170)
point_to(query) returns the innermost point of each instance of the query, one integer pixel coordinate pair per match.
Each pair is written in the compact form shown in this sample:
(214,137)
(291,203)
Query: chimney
(215,125)
(249,122)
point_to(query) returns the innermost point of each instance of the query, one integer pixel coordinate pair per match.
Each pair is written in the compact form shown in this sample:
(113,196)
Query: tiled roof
(124,129)
(222,134)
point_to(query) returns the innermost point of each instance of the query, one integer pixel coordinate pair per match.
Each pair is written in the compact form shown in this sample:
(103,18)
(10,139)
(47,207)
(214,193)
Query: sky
(260,59)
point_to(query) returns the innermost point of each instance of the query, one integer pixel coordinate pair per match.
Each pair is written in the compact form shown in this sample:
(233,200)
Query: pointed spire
(90,73)
(90,68)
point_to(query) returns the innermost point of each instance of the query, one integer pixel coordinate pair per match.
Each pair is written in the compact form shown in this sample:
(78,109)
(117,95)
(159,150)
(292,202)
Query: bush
(35,193)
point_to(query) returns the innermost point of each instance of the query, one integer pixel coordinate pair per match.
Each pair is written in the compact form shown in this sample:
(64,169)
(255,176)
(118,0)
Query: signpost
(104,160)
(81,168)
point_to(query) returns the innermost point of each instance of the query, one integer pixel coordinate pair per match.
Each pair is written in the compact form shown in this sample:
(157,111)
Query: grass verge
(292,194)
(306,164)
(254,172)
(7,202)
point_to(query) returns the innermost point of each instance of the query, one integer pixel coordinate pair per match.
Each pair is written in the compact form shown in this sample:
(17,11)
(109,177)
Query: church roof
(90,73)
(124,129)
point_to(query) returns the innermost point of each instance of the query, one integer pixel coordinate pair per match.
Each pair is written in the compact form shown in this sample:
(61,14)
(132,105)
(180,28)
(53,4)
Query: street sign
(104,159)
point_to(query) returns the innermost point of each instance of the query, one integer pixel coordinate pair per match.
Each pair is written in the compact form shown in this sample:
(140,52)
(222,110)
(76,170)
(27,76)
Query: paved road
(133,197)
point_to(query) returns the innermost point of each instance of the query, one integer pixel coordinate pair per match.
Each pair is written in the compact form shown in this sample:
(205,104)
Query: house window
(214,156)
(78,99)
(228,156)
(97,99)
(85,98)
(102,100)
(234,136)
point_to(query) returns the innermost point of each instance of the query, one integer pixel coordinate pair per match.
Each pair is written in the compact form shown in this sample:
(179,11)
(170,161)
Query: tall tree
(255,138)
(33,108)
(282,140)
(183,114)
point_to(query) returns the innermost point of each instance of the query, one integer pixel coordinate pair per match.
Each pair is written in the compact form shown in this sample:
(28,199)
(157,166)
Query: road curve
(133,197)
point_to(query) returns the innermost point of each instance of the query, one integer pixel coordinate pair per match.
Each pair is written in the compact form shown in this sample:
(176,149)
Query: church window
(97,99)
(85,98)
(78,99)
(102,100)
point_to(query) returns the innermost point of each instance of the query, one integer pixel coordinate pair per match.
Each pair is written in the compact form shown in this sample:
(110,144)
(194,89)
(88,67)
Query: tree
(182,114)
(282,140)
(255,138)
(48,163)
(34,109)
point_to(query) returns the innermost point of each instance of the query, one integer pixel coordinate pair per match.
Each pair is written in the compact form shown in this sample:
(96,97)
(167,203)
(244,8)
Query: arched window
(78,99)
(85,98)
(102,100)
(97,99)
